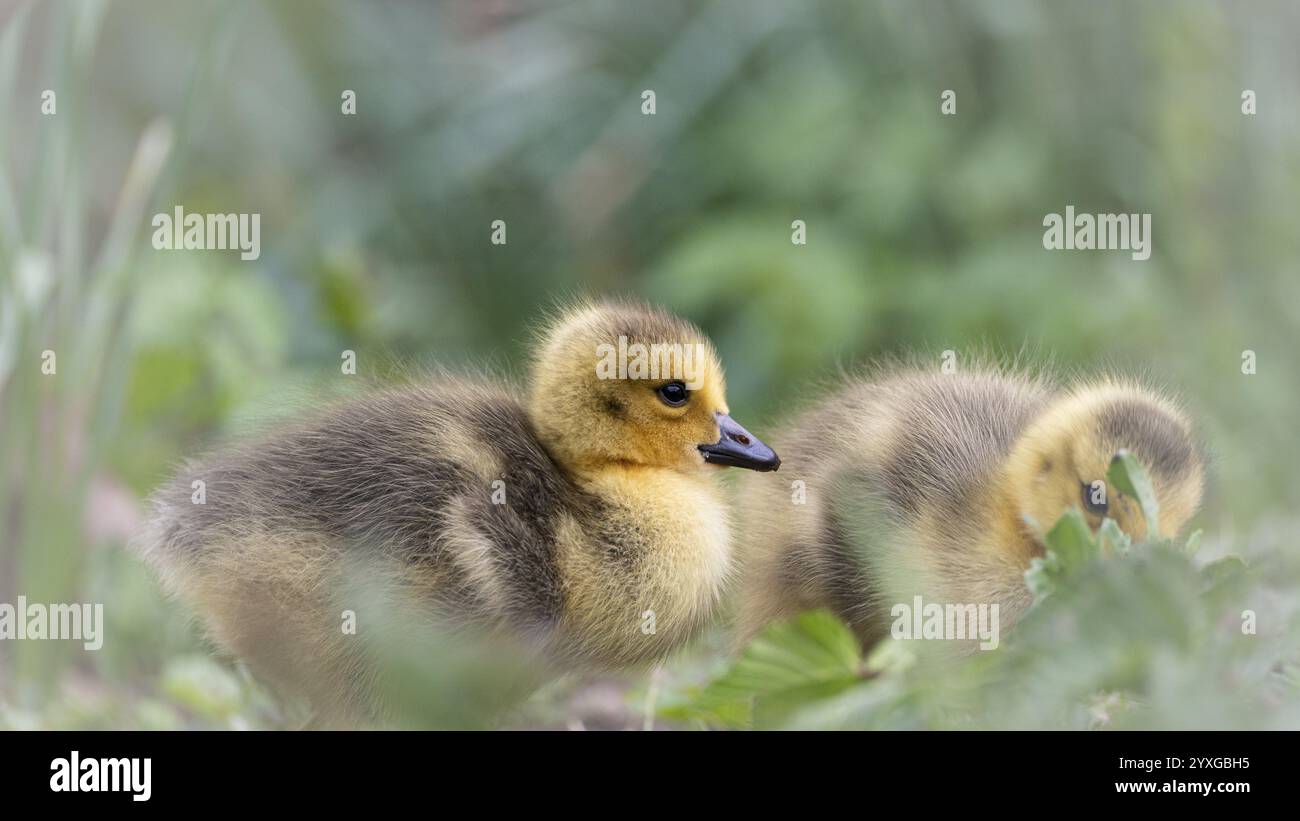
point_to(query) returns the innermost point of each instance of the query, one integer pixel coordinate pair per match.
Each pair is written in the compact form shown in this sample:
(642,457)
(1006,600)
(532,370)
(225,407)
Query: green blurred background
(924,233)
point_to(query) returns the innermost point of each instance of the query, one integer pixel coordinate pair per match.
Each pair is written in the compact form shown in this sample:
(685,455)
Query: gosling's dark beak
(739,448)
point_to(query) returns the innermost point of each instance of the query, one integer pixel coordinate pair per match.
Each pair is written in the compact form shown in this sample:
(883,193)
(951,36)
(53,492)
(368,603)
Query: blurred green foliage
(1143,637)
(924,233)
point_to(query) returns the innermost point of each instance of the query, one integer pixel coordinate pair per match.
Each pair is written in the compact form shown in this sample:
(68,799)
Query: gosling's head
(626,384)
(1062,459)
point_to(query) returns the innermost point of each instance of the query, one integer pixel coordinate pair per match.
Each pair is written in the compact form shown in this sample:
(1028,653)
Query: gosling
(941,485)
(566,518)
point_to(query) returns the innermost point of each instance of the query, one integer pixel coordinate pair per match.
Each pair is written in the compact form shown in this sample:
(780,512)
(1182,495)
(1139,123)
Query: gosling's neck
(647,487)
(1011,532)
(596,463)
(1016,483)
(677,523)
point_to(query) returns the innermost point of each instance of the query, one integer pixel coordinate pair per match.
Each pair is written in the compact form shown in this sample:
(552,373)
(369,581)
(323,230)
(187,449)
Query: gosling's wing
(410,478)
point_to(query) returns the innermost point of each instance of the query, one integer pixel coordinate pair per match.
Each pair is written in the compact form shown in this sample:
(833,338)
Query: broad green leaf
(1072,542)
(810,656)
(775,710)
(890,657)
(1222,571)
(1070,545)
(1127,474)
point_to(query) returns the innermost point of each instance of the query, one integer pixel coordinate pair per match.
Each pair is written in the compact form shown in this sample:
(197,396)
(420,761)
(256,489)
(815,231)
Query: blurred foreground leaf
(1127,474)
(1070,546)
(204,687)
(1143,638)
(811,656)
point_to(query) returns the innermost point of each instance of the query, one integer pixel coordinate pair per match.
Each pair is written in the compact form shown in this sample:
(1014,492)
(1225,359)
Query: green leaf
(204,687)
(793,662)
(1040,578)
(1113,541)
(890,657)
(1070,545)
(1072,542)
(1223,571)
(1127,474)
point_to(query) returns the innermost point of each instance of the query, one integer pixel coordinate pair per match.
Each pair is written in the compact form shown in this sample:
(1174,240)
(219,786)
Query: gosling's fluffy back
(908,447)
(389,473)
(396,487)
(919,482)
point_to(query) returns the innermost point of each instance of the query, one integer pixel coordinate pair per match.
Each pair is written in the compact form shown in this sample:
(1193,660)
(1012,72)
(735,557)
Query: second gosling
(940,485)
(559,518)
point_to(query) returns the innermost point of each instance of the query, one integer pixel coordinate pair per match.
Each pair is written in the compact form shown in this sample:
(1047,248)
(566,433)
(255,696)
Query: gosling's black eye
(1094,497)
(674,394)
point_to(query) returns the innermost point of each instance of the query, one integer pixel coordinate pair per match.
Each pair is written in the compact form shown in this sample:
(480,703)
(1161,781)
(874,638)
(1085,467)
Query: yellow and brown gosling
(919,482)
(567,517)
